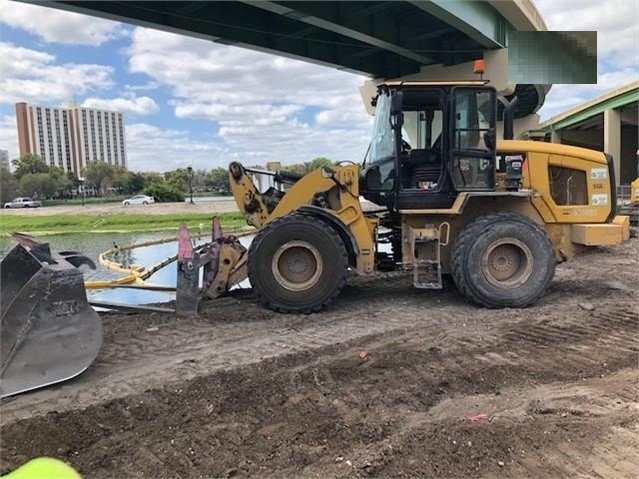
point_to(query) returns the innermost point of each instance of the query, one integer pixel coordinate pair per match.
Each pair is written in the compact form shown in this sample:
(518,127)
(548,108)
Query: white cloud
(136,105)
(9,136)
(617,24)
(150,85)
(266,107)
(151,148)
(34,76)
(57,26)
(616,21)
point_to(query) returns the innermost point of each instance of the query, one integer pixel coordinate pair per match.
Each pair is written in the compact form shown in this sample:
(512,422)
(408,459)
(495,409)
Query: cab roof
(409,84)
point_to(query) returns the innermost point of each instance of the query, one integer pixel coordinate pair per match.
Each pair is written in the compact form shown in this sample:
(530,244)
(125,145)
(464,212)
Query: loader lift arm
(330,194)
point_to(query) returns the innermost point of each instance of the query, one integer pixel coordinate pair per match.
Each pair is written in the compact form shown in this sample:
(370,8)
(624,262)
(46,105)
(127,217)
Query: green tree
(9,186)
(316,163)
(64,185)
(152,178)
(218,180)
(55,172)
(29,163)
(309,166)
(200,180)
(121,179)
(96,172)
(296,168)
(39,185)
(137,183)
(164,193)
(179,179)
(128,182)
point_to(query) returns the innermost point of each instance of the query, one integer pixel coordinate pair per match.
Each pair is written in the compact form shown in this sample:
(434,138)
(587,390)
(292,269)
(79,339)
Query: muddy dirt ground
(388,382)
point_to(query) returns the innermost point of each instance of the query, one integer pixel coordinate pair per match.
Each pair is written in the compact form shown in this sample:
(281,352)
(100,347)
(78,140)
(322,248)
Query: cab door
(472,138)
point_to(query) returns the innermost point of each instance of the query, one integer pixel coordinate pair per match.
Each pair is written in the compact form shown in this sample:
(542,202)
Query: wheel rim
(297,265)
(507,263)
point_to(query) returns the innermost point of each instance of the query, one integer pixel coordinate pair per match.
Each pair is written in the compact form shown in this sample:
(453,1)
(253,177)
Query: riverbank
(204,207)
(115,218)
(124,222)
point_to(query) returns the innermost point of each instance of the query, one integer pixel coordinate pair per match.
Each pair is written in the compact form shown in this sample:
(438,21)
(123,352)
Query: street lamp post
(190,170)
(80,184)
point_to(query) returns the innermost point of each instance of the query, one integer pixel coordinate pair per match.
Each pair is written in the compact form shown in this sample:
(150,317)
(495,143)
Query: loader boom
(332,193)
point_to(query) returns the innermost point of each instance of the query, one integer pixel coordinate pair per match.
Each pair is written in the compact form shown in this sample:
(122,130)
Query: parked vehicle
(139,200)
(23,203)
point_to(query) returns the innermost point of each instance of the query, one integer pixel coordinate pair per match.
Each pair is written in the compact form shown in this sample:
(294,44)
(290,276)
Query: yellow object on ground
(634,192)
(44,467)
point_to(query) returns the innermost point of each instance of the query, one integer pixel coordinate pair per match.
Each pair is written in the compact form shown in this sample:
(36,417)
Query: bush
(164,193)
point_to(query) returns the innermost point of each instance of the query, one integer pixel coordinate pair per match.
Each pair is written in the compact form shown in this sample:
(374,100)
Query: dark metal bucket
(48,331)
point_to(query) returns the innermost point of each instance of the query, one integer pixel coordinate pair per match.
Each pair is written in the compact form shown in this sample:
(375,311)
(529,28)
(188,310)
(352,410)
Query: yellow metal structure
(340,184)
(634,192)
(539,204)
(601,234)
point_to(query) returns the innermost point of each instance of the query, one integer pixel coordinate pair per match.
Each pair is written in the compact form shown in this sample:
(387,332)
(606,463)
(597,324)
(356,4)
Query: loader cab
(429,143)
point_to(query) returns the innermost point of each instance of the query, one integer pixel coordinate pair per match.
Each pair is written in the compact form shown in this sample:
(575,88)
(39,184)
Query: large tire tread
(460,251)
(342,258)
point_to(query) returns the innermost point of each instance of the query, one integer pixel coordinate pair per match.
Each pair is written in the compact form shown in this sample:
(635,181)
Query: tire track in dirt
(240,332)
(396,413)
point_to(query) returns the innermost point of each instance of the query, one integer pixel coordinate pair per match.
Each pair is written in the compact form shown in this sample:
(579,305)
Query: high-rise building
(4,160)
(71,137)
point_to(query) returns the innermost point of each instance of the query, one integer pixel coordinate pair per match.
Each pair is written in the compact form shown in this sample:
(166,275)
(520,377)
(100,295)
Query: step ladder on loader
(426,244)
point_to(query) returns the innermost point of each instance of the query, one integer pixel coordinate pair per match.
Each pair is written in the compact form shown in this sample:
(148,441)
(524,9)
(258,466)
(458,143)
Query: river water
(91,245)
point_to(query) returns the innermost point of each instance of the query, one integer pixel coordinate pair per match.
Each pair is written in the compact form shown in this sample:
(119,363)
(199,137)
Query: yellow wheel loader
(495,215)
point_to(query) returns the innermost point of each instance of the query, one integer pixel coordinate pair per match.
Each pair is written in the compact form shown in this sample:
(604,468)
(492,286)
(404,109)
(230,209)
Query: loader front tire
(503,260)
(297,264)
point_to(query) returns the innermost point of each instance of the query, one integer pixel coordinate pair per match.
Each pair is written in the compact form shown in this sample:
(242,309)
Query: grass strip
(114,223)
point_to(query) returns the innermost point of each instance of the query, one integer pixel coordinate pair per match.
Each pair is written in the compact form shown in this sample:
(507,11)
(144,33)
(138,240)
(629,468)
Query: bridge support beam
(478,20)
(612,139)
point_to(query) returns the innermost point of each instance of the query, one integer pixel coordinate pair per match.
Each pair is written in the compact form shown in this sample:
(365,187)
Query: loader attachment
(223,260)
(48,331)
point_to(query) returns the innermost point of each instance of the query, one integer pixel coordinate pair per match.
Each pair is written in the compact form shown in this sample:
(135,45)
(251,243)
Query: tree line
(32,177)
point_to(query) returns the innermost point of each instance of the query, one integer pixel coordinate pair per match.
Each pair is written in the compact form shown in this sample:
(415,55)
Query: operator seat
(422,167)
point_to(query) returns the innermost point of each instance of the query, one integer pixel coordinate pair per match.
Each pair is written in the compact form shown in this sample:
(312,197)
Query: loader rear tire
(503,260)
(297,264)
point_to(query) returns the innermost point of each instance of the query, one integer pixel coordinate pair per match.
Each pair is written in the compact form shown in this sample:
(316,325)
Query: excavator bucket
(48,331)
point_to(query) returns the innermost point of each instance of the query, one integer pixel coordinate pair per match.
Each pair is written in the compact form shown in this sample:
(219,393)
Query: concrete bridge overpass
(381,39)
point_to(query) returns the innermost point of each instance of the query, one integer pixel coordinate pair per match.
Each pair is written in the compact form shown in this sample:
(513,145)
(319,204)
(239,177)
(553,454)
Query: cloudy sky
(194,102)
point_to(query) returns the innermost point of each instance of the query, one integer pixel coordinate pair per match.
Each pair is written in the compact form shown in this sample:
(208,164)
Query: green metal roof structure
(624,96)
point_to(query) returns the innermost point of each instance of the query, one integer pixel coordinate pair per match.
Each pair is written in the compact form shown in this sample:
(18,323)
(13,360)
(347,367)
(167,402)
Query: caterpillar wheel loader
(495,215)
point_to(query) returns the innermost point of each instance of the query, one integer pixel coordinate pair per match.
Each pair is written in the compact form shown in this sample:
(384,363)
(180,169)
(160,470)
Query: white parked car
(139,200)
(23,203)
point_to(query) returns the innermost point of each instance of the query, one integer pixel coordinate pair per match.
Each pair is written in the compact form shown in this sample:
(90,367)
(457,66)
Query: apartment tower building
(4,160)
(71,137)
